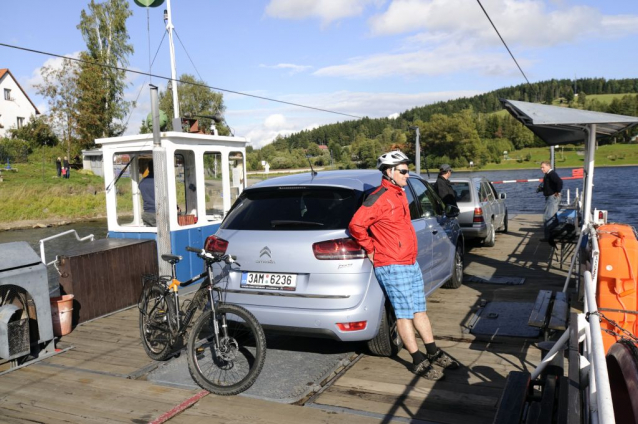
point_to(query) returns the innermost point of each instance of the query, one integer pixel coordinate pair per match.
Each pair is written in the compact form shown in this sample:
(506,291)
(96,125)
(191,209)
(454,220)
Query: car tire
(387,342)
(503,228)
(490,240)
(457,273)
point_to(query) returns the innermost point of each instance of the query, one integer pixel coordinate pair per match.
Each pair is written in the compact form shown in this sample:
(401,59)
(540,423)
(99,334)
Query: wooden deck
(102,378)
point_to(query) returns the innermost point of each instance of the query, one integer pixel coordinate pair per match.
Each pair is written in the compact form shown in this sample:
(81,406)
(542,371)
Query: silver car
(302,273)
(483,209)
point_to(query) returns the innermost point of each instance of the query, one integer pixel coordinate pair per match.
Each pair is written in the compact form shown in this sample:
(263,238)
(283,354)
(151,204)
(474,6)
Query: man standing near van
(382,226)
(552,187)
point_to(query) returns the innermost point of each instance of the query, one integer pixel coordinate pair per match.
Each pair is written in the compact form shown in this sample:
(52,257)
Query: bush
(15,150)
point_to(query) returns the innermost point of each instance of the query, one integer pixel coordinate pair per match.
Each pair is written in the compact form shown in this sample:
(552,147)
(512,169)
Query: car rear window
(293,209)
(462,192)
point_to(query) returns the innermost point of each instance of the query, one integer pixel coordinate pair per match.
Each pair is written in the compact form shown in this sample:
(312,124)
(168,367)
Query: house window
(7,94)
(20,122)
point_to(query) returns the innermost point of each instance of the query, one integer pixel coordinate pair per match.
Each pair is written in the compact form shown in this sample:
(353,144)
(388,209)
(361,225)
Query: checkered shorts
(403,284)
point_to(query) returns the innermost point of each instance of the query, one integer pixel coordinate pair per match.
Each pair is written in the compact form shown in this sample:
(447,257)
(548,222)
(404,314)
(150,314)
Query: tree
(59,87)
(37,132)
(101,91)
(195,99)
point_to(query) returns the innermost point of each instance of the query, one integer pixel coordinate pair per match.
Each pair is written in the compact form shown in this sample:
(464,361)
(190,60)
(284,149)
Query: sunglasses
(403,171)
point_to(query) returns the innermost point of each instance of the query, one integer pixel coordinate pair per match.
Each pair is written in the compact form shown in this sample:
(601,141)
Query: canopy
(562,125)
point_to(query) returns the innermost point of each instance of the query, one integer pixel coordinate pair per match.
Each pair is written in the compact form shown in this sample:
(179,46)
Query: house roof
(561,125)
(7,71)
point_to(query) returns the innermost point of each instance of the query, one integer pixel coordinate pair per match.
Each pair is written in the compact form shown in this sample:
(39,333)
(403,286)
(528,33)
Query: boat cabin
(205,174)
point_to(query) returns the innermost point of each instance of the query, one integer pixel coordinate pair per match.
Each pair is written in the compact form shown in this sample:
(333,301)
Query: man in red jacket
(382,226)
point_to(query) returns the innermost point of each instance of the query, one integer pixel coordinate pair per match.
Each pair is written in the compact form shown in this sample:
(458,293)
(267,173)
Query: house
(16,109)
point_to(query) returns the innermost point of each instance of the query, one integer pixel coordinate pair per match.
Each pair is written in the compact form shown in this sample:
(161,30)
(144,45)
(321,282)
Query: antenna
(311,168)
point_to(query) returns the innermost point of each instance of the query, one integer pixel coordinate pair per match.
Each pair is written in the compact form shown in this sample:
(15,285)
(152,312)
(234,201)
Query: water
(615,190)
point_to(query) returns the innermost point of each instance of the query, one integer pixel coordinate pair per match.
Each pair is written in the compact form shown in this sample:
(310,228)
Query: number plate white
(264,280)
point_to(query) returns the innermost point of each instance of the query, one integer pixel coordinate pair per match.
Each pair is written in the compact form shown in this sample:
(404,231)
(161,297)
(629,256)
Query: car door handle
(435,231)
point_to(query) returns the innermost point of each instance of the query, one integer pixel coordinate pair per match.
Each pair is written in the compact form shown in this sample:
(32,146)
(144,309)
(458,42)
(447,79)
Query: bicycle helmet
(391,159)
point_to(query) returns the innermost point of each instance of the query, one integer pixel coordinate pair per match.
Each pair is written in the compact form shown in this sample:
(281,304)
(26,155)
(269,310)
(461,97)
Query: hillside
(455,131)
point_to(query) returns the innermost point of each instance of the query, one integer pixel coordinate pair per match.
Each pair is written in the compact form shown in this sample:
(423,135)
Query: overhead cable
(11,46)
(504,43)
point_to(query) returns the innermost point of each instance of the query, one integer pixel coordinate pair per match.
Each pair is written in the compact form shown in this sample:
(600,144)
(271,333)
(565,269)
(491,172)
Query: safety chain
(627,334)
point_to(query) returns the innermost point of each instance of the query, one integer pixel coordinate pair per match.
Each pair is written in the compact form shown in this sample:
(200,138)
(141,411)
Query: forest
(457,131)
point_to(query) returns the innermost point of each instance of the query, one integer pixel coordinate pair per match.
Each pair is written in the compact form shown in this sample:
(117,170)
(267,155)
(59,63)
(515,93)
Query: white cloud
(284,120)
(394,115)
(527,23)
(440,61)
(326,11)
(54,63)
(294,69)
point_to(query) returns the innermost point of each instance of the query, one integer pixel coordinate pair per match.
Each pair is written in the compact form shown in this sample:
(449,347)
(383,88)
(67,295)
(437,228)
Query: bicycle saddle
(172,259)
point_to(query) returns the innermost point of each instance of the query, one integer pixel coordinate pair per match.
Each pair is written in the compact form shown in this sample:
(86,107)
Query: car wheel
(503,228)
(457,274)
(490,240)
(387,342)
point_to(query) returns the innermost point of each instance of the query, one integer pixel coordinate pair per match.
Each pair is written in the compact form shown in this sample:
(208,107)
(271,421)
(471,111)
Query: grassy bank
(30,192)
(33,192)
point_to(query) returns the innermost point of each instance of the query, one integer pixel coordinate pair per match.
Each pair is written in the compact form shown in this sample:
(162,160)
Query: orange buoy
(616,293)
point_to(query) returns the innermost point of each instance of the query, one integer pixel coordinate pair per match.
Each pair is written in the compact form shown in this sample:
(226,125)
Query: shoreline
(45,222)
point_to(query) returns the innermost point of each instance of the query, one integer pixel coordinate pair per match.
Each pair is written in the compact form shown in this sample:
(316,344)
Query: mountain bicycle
(226,347)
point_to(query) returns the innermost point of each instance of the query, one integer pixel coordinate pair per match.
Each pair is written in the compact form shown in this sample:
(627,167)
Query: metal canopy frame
(561,125)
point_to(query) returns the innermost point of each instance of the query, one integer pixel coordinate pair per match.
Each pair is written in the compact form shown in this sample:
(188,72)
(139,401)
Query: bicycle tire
(234,366)
(155,332)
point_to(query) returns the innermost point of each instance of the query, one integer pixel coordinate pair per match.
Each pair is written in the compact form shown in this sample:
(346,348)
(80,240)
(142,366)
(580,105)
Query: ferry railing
(42,253)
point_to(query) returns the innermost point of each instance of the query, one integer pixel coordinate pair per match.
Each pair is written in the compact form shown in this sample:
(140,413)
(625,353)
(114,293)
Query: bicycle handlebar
(212,256)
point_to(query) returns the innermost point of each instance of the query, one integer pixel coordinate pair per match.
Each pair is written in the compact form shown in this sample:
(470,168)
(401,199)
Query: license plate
(269,281)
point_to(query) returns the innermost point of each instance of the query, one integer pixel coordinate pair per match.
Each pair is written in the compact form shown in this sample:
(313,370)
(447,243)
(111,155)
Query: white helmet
(392,159)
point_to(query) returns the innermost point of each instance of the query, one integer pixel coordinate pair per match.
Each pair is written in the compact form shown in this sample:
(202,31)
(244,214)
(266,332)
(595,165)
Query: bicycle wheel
(232,366)
(155,315)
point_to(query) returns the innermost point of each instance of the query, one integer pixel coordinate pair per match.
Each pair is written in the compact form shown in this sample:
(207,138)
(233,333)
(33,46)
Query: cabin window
(185,187)
(237,175)
(7,94)
(124,185)
(214,187)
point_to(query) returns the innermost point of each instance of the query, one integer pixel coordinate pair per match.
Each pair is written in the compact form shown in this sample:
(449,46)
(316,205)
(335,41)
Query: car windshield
(293,209)
(462,192)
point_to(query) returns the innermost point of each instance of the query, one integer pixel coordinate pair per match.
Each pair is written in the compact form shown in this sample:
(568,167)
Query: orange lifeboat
(617,295)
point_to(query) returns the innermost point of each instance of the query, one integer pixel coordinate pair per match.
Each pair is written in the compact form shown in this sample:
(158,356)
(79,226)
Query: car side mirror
(502,196)
(452,211)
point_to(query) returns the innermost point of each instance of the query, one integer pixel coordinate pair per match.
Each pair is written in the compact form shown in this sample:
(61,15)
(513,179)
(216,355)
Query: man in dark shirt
(147,188)
(552,187)
(443,187)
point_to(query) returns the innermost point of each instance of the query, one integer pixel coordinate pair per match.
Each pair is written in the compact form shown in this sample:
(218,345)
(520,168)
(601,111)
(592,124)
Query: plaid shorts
(403,284)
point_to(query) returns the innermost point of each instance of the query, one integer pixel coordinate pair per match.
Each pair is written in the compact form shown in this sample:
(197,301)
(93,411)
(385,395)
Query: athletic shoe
(425,370)
(443,360)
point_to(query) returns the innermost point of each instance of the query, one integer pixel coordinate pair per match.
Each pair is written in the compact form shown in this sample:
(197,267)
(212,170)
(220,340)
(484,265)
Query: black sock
(417,357)
(430,348)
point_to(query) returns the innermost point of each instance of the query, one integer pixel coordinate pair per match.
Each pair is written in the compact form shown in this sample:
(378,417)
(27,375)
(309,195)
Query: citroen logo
(265,251)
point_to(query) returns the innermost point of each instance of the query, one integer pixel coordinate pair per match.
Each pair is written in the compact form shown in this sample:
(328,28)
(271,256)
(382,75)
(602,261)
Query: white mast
(177,123)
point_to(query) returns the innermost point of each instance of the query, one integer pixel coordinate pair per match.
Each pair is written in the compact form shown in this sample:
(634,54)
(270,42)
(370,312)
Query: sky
(374,58)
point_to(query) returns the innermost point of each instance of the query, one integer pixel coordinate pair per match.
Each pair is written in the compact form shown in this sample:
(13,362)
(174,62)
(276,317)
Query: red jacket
(391,237)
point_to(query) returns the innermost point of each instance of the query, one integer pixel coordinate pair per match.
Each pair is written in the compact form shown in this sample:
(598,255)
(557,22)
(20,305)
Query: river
(614,191)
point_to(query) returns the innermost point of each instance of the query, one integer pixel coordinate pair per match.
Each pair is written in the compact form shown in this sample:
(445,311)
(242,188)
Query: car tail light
(478,215)
(216,245)
(352,326)
(345,248)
